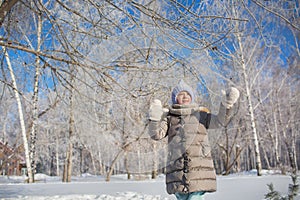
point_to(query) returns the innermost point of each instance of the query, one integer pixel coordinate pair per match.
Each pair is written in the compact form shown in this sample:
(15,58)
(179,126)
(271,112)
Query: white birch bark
(102,169)
(251,111)
(57,153)
(21,116)
(277,154)
(35,100)
(250,108)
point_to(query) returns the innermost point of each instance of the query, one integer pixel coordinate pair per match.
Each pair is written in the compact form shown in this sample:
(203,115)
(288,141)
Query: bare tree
(21,116)
(35,110)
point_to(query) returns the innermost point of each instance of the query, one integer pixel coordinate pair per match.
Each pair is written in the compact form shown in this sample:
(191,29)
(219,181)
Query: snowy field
(234,187)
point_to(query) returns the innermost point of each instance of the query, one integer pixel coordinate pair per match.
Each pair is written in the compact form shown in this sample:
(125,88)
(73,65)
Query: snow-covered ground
(246,186)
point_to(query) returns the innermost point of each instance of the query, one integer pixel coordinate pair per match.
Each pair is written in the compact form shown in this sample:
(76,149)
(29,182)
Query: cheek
(187,98)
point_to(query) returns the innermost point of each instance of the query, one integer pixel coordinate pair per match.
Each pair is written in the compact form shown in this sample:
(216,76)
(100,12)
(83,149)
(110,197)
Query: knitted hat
(182,86)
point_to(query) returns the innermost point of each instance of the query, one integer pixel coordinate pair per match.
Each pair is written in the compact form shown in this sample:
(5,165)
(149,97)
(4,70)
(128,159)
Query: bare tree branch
(5,7)
(277,14)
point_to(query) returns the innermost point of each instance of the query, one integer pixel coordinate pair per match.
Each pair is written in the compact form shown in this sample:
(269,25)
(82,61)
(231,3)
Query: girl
(190,170)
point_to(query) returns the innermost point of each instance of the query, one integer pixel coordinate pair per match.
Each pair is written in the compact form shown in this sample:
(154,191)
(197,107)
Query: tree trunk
(101,165)
(127,166)
(265,156)
(124,142)
(238,151)
(68,162)
(250,108)
(35,113)
(93,161)
(155,161)
(57,155)
(226,152)
(253,125)
(293,140)
(277,155)
(21,117)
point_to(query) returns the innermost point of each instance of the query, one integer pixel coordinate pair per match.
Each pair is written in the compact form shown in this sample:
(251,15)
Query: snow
(246,186)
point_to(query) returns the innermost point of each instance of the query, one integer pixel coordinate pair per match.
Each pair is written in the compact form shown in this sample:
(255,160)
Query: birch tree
(21,116)
(35,110)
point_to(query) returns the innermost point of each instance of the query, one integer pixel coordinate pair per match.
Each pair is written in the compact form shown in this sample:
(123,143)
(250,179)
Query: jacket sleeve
(221,119)
(158,129)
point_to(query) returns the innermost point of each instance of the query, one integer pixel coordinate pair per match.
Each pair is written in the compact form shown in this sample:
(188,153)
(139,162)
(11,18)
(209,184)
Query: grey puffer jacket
(190,166)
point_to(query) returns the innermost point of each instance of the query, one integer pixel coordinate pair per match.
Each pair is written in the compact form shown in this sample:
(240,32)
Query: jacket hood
(182,86)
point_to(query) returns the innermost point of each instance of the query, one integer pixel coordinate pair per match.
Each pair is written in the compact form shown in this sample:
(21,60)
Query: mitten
(156,111)
(230,97)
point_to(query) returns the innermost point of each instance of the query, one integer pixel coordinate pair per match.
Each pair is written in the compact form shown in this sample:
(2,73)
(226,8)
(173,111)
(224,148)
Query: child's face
(184,98)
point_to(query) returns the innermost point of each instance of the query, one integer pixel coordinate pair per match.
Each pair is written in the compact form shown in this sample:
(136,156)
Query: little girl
(190,171)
